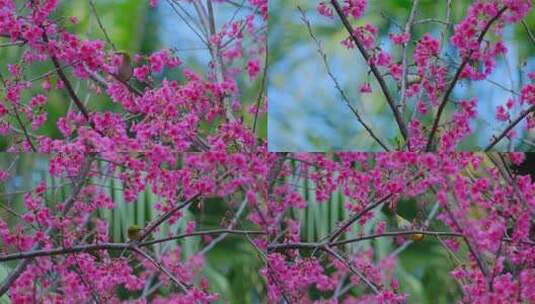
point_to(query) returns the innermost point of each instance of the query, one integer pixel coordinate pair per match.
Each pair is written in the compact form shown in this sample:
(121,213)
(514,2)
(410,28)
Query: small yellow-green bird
(413,79)
(134,232)
(404,224)
(125,70)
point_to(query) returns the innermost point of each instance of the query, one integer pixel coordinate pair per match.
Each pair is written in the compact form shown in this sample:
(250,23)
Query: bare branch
(506,131)
(117,246)
(361,276)
(404,63)
(337,84)
(313,245)
(397,114)
(161,268)
(67,83)
(456,78)
(19,269)
(94,10)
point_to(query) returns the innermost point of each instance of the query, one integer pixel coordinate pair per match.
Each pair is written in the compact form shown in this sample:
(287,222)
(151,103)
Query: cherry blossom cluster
(488,210)
(203,112)
(96,274)
(423,104)
(485,213)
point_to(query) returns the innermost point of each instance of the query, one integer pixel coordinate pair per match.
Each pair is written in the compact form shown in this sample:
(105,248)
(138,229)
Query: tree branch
(336,83)
(19,269)
(313,245)
(397,114)
(404,61)
(456,78)
(24,130)
(357,216)
(162,218)
(161,268)
(201,233)
(118,246)
(513,123)
(67,83)
(352,269)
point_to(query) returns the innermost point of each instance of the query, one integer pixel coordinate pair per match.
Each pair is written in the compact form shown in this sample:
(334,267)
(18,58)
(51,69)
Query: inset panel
(401,75)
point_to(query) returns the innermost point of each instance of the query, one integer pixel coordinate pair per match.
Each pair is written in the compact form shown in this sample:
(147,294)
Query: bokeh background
(136,28)
(306,112)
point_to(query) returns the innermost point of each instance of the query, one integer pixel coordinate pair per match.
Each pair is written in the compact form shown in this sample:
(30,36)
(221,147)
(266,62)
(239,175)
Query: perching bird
(413,79)
(404,224)
(125,70)
(134,232)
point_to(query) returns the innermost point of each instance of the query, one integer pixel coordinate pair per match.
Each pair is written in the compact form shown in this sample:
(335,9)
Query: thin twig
(117,246)
(158,221)
(404,64)
(352,269)
(24,130)
(223,235)
(456,78)
(67,83)
(21,267)
(313,245)
(336,83)
(161,268)
(261,92)
(202,233)
(506,131)
(94,9)
(162,218)
(334,235)
(397,115)
(530,34)
(481,265)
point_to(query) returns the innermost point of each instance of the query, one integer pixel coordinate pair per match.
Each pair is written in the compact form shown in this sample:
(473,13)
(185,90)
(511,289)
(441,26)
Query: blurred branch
(218,60)
(456,78)
(19,120)
(16,43)
(471,248)
(336,233)
(162,218)
(172,3)
(94,10)
(404,63)
(397,115)
(513,123)
(231,224)
(530,34)
(117,246)
(336,83)
(69,202)
(362,277)
(160,267)
(261,93)
(24,130)
(67,83)
(505,172)
(313,245)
